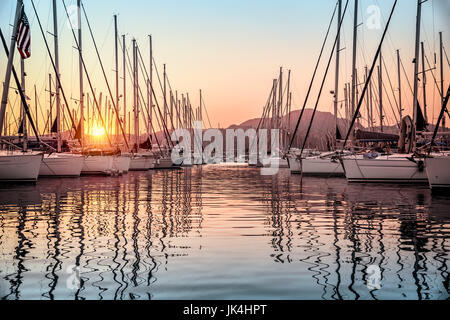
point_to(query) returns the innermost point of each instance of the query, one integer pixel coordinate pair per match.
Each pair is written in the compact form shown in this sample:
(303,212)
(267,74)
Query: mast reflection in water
(221,232)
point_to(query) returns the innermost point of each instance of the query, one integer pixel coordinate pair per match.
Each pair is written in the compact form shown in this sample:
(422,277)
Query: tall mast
(355,36)
(416,65)
(36,108)
(116,45)
(400,107)
(380,87)
(124,85)
(366,77)
(442,75)
(24,113)
(171,110)
(280,99)
(136,98)
(7,81)
(183,111)
(189,111)
(201,103)
(346,103)
(336,82)
(178,106)
(424,84)
(58,84)
(80,66)
(88,125)
(288,111)
(150,102)
(49,122)
(274,103)
(165,96)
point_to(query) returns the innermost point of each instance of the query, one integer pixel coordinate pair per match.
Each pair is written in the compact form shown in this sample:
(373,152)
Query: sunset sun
(98,131)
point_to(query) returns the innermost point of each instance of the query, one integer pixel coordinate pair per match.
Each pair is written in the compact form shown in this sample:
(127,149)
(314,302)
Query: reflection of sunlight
(98,131)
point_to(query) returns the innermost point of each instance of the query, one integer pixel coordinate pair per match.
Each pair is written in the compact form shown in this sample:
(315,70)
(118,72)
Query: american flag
(24,36)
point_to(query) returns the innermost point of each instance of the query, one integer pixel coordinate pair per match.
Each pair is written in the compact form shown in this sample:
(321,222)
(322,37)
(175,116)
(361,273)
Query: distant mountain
(322,126)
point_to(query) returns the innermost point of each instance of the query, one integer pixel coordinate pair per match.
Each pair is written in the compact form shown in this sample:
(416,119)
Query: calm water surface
(221,232)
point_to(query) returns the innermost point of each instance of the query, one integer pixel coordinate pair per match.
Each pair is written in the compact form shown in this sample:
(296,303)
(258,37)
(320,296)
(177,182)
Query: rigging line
(387,116)
(389,41)
(171,94)
(12,112)
(88,78)
(313,76)
(266,106)
(161,86)
(113,100)
(54,68)
(206,110)
(445,51)
(441,115)
(162,90)
(432,73)
(369,77)
(324,79)
(148,109)
(165,129)
(20,90)
(165,101)
(390,84)
(108,31)
(390,104)
(147,124)
(40,108)
(406,75)
(162,127)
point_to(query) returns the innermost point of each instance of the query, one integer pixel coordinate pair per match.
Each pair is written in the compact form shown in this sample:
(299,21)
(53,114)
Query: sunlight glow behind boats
(98,131)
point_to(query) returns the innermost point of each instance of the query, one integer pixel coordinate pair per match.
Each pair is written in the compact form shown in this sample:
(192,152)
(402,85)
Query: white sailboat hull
(61,165)
(276,163)
(321,166)
(121,164)
(294,165)
(438,172)
(97,165)
(316,166)
(18,166)
(384,169)
(141,163)
(164,163)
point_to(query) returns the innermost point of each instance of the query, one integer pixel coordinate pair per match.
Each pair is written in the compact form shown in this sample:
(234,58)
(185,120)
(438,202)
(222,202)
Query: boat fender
(421,165)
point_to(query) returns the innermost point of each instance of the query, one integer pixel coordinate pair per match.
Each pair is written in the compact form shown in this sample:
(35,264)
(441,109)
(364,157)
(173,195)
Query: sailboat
(278,122)
(438,166)
(274,107)
(17,165)
(323,163)
(140,161)
(438,171)
(407,166)
(59,164)
(97,161)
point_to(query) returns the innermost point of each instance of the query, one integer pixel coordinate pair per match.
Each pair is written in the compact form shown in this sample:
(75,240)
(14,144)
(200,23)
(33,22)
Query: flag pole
(4,102)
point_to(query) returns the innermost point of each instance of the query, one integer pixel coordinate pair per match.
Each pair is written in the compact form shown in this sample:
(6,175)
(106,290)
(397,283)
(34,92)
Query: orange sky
(231,50)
